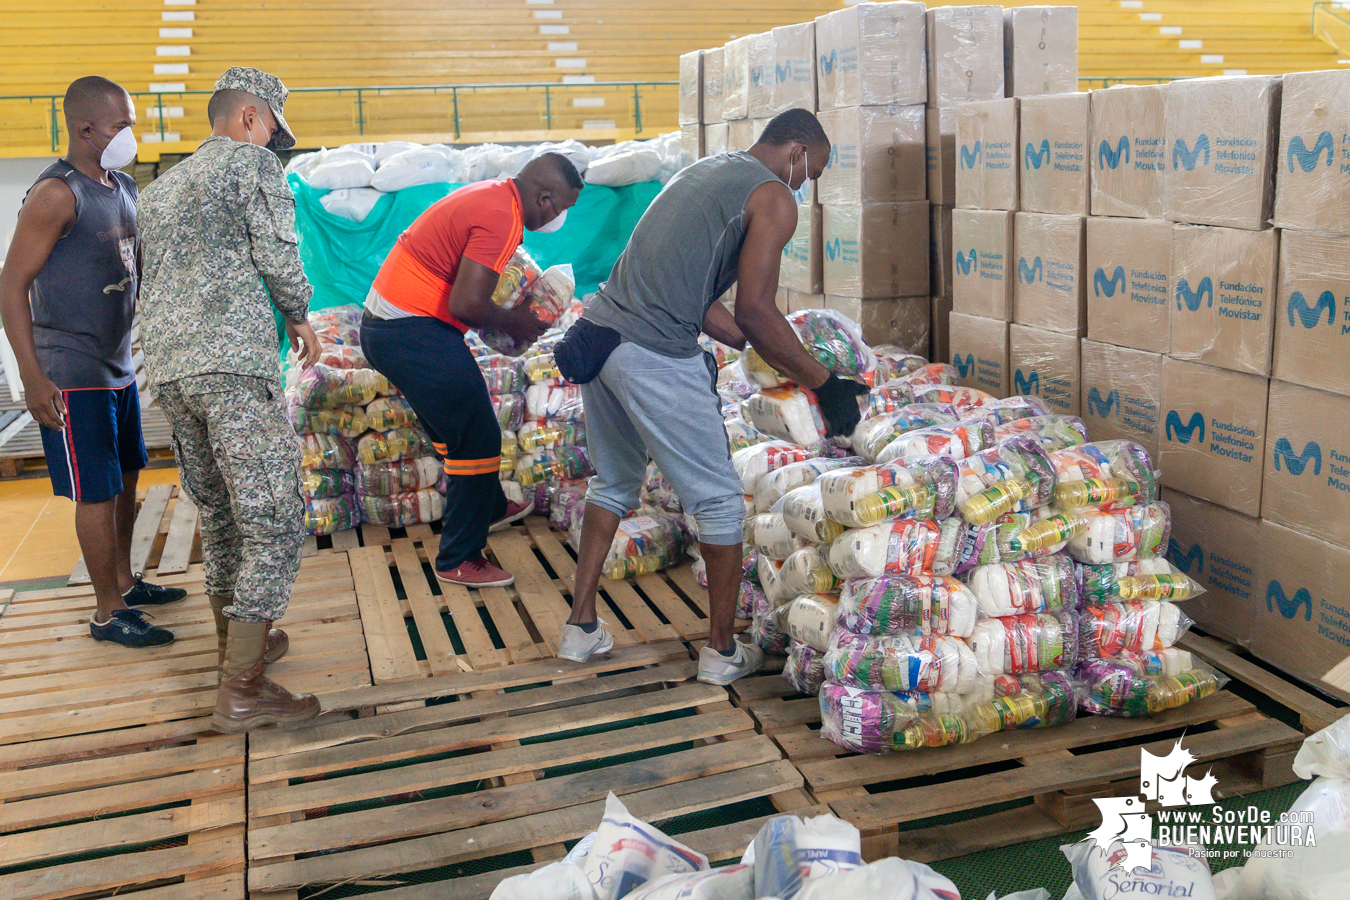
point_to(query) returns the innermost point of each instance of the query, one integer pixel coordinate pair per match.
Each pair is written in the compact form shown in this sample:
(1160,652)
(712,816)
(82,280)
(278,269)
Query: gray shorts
(643,403)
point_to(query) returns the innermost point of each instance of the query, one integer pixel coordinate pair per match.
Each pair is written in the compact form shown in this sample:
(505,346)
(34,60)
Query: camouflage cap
(265,87)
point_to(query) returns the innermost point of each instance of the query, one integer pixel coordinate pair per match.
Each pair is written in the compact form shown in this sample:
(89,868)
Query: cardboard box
(1128,151)
(1045,364)
(901,321)
(1049,284)
(877,250)
(801,266)
(798,301)
(1053,132)
(1303,625)
(940,250)
(1306,484)
(986,144)
(716,138)
(942,156)
(1221,143)
(965,54)
(691,143)
(1040,50)
(1121,394)
(794,64)
(872,54)
(759,71)
(979,350)
(714,71)
(1223,283)
(1310,194)
(877,155)
(1129,262)
(741,134)
(941,329)
(983,266)
(691,87)
(1213,440)
(1312,313)
(1220,549)
(736,79)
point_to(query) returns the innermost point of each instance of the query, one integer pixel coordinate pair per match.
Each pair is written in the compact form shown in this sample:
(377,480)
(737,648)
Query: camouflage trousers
(239,462)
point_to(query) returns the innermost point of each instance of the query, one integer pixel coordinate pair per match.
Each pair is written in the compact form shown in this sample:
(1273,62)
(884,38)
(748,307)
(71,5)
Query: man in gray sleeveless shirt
(67,296)
(723,219)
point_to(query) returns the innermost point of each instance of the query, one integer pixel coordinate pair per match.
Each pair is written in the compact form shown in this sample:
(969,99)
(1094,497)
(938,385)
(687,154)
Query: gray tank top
(85,296)
(682,256)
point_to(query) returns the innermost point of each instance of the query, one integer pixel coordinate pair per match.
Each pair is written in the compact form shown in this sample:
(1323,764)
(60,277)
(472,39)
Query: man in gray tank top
(723,219)
(67,297)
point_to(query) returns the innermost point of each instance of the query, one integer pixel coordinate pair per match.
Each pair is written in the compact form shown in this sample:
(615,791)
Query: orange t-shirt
(481,222)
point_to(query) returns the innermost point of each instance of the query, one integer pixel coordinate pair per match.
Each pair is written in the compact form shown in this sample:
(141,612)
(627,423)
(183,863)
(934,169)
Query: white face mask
(121,150)
(801,194)
(552,224)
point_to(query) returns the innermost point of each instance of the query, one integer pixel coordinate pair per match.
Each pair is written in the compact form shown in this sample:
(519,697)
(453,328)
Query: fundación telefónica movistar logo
(963,366)
(1026,384)
(1288,606)
(827,62)
(1284,451)
(1109,158)
(1309,316)
(1307,159)
(832,249)
(1036,157)
(967,262)
(1184,157)
(1108,286)
(1030,274)
(1182,433)
(783,71)
(972,156)
(1195,556)
(1101,406)
(1190,299)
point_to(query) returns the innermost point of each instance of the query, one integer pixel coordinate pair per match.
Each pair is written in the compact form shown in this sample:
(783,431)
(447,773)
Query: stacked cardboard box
(691,106)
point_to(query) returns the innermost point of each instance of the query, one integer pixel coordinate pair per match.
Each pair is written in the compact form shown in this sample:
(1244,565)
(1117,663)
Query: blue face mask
(803,193)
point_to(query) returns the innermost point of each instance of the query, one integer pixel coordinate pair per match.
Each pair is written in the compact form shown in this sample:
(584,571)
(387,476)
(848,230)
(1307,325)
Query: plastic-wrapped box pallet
(1221,140)
(1048,291)
(1311,434)
(691,144)
(941,149)
(983,264)
(878,155)
(801,268)
(1045,364)
(1312,183)
(1053,131)
(794,67)
(1040,50)
(1128,151)
(876,250)
(980,353)
(1310,318)
(940,250)
(714,73)
(872,54)
(736,79)
(715,138)
(760,75)
(1121,394)
(965,54)
(987,146)
(691,87)
(1129,262)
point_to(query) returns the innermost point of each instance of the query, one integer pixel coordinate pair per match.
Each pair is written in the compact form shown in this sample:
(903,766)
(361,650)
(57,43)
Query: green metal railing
(632,93)
(1331,23)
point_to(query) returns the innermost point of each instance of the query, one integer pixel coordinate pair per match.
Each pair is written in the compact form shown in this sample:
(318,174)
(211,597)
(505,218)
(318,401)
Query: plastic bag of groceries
(1101,874)
(556,403)
(1053,432)
(543,435)
(787,413)
(1133,686)
(901,662)
(321,386)
(1033,700)
(766,628)
(809,619)
(1025,586)
(875,432)
(804,668)
(400,510)
(965,400)
(1110,629)
(384,413)
(392,445)
(919,488)
(1140,579)
(832,338)
(383,479)
(886,879)
(510,410)
(553,464)
(344,421)
(548,294)
(903,604)
(1015,476)
(331,514)
(503,374)
(642,545)
(325,484)
(806,571)
(958,441)
(1032,642)
(917,547)
(757,460)
(868,720)
(326,451)
(1105,474)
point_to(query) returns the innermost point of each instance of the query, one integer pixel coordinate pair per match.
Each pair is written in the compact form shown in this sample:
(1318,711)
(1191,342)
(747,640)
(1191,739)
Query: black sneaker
(146,594)
(129,628)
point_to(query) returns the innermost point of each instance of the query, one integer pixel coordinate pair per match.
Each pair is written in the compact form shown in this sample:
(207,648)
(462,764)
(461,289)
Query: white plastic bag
(886,879)
(351,203)
(630,166)
(628,853)
(343,168)
(1101,875)
(561,880)
(393,148)
(419,165)
(789,852)
(731,883)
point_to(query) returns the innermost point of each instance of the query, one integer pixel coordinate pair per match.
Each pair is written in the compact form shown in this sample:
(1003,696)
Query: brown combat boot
(277,641)
(247,698)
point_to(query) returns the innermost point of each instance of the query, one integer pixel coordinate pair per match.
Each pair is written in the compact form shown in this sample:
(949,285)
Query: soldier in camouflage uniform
(218,231)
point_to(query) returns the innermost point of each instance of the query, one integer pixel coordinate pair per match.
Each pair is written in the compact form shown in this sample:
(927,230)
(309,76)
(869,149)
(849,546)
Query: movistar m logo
(1307,159)
(1191,299)
(757,76)
(1183,157)
(1182,434)
(1099,406)
(1275,596)
(966,263)
(832,249)
(834,157)
(1030,384)
(1030,274)
(971,156)
(827,62)
(963,365)
(1111,158)
(1310,316)
(1183,561)
(1108,286)
(1036,157)
(1296,464)
(784,72)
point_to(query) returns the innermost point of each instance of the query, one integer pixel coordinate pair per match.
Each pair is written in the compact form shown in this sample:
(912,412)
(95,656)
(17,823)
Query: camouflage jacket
(219,251)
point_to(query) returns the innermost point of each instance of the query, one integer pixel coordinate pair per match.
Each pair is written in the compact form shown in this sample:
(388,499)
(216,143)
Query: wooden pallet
(56,680)
(1048,776)
(519,759)
(155,812)
(165,537)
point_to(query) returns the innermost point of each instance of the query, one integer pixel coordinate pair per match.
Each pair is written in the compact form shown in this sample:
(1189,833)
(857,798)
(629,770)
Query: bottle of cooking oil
(1050,531)
(892,502)
(1095,491)
(1181,689)
(993,502)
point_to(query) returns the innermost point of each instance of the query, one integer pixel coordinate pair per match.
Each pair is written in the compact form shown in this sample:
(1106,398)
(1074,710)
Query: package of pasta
(392,445)
(771,488)
(537,435)
(1106,536)
(382,479)
(344,421)
(1034,700)
(321,386)
(642,545)
(1028,586)
(400,510)
(1105,474)
(1015,476)
(901,662)
(1010,409)
(904,547)
(555,403)
(1035,642)
(1140,579)
(503,374)
(326,451)
(553,464)
(1053,432)
(806,571)
(903,604)
(1130,626)
(384,413)
(894,362)
(786,413)
(325,484)
(957,440)
(809,619)
(510,410)
(765,626)
(803,511)
(873,434)
(329,515)
(754,462)
(1122,687)
(919,488)
(805,667)
(963,399)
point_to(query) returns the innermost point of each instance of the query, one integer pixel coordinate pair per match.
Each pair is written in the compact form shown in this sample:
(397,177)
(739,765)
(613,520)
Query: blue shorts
(102,439)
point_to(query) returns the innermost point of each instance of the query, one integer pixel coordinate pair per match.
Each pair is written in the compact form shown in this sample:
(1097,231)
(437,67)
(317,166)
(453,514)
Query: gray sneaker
(714,668)
(578,646)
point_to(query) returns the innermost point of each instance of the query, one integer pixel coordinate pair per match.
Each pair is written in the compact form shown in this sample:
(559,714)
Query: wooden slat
(147,523)
(510,625)
(391,651)
(96,875)
(177,551)
(426,613)
(540,597)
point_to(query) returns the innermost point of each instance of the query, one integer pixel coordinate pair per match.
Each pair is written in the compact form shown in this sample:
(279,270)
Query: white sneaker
(578,646)
(714,668)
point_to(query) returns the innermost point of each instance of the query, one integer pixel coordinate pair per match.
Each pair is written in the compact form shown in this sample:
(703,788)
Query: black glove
(838,399)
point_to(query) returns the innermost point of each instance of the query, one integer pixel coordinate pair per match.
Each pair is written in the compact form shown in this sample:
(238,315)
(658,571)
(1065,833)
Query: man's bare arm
(471,303)
(720,325)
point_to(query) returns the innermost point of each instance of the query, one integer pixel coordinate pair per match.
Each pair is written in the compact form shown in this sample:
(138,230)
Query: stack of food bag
(547,292)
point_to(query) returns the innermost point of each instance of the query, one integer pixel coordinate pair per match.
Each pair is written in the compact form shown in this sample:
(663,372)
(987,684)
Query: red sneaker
(477,573)
(514,513)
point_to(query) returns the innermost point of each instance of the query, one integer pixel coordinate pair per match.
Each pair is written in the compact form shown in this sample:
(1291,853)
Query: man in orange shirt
(436,284)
